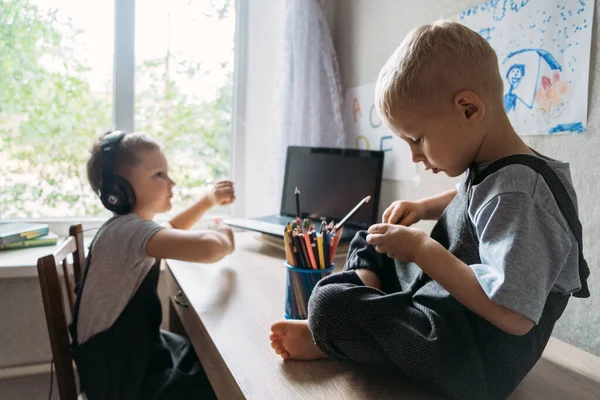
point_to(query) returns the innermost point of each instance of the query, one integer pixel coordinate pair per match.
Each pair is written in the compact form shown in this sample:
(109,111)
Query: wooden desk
(233,303)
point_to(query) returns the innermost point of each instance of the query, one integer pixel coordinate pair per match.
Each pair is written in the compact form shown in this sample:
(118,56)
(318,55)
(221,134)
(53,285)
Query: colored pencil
(352,212)
(321,251)
(297,193)
(309,250)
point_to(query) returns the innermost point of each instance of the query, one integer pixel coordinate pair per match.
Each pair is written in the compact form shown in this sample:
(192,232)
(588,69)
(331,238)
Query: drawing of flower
(550,98)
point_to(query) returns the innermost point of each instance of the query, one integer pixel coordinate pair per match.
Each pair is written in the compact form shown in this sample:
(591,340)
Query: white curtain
(308,108)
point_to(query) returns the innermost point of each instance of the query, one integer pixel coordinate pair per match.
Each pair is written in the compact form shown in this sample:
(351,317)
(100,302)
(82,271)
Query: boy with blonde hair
(470,308)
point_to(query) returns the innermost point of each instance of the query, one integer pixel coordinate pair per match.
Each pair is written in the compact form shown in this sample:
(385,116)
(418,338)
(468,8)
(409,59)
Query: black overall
(418,327)
(134,359)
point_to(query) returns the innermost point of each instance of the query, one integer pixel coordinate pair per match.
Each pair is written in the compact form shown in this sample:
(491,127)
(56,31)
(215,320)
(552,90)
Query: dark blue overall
(134,359)
(418,327)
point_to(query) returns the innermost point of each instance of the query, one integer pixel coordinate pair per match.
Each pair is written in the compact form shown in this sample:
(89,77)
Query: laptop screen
(332,182)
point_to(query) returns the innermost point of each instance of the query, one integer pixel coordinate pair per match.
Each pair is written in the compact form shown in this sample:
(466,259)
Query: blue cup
(300,283)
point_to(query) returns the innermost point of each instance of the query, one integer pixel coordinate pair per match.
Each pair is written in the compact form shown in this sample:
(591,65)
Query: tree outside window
(56,92)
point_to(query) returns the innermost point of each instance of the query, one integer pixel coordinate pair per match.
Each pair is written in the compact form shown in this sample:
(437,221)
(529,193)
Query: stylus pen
(351,213)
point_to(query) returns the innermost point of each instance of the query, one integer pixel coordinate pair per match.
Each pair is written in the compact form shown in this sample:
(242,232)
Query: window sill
(22,263)
(60,226)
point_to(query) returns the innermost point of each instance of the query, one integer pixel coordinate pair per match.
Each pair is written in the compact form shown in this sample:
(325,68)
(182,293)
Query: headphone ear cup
(126,194)
(118,196)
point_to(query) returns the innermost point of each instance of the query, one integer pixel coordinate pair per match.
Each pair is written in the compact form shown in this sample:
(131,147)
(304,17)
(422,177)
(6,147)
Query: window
(184,86)
(57,70)
(55,96)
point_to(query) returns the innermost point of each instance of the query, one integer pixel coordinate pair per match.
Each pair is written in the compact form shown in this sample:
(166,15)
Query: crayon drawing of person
(513,76)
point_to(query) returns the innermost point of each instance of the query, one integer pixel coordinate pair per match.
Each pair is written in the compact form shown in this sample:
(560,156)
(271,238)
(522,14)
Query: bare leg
(369,278)
(292,340)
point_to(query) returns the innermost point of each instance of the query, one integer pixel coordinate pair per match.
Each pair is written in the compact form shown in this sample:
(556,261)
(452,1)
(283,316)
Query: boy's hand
(398,242)
(222,193)
(228,233)
(403,212)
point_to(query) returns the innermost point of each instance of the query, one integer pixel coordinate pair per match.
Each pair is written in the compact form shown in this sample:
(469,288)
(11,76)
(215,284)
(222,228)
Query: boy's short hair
(128,155)
(434,62)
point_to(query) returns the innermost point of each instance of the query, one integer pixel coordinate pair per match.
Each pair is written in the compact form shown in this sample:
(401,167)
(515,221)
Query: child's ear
(469,109)
(470,105)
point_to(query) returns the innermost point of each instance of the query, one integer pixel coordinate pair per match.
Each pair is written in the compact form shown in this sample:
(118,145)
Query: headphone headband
(110,143)
(111,140)
(115,192)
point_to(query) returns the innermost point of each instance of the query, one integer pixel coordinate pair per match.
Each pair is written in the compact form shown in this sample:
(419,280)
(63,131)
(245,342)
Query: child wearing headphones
(118,346)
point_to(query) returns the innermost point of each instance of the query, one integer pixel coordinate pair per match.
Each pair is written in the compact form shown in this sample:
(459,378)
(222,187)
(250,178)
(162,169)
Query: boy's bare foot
(291,339)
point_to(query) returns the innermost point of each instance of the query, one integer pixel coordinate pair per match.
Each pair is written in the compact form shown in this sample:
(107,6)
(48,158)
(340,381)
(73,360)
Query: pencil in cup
(300,283)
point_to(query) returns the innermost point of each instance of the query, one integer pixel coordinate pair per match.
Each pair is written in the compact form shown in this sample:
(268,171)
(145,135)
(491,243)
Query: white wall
(366,32)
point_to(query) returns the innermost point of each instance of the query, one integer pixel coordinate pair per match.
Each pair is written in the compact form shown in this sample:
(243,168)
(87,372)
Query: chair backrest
(54,308)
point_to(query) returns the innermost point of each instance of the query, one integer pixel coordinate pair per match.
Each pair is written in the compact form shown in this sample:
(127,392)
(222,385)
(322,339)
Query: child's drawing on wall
(543,51)
(513,76)
(550,98)
(533,81)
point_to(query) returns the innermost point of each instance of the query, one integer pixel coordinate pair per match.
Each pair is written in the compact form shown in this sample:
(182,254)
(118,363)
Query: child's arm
(406,213)
(460,281)
(221,193)
(434,206)
(413,245)
(205,246)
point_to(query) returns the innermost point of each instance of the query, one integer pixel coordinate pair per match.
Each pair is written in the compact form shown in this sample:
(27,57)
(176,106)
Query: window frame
(124,109)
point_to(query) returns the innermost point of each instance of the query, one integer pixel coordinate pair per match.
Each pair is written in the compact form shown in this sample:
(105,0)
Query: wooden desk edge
(582,364)
(215,367)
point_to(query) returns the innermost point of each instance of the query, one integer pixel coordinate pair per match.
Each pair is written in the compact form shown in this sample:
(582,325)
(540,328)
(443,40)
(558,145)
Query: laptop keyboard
(276,219)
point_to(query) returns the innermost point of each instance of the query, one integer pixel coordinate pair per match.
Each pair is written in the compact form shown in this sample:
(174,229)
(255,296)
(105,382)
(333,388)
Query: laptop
(331,183)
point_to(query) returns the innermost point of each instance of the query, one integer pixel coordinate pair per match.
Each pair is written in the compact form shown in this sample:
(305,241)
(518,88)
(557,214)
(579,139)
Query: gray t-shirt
(526,246)
(118,267)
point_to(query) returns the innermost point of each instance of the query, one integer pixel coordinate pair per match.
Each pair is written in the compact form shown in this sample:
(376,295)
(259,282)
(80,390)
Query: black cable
(92,229)
(51,378)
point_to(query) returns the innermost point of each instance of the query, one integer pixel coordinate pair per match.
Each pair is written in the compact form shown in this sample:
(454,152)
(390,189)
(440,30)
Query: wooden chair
(52,297)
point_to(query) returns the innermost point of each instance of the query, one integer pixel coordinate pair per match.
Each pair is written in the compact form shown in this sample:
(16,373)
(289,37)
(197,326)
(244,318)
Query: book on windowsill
(21,231)
(45,240)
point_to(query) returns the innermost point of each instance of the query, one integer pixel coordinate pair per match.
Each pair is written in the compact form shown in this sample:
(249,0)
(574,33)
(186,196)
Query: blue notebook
(15,232)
